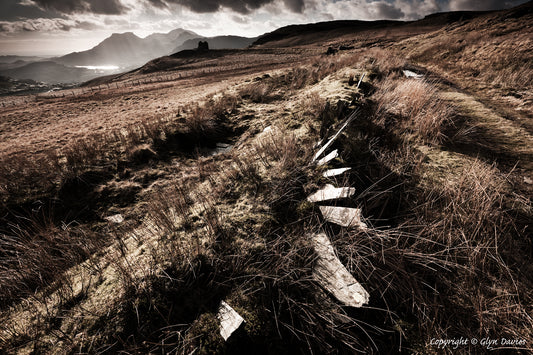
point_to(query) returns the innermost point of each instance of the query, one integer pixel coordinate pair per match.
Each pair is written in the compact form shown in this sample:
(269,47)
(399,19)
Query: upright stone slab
(330,192)
(330,142)
(412,74)
(361,80)
(334,277)
(229,319)
(334,154)
(343,216)
(335,172)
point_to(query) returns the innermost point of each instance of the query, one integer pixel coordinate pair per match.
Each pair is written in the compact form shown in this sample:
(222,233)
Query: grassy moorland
(442,168)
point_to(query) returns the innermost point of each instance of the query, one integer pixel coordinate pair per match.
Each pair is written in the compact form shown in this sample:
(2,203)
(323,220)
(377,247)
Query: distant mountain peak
(123,35)
(128,50)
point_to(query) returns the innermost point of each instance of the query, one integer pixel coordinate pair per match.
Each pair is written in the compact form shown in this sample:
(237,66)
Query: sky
(56,27)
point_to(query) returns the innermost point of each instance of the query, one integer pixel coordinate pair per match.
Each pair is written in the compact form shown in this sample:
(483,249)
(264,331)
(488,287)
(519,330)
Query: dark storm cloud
(104,7)
(240,6)
(11,10)
(388,11)
(295,5)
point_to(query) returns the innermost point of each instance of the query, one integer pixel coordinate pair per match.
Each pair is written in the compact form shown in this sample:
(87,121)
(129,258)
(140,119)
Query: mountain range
(123,50)
(128,50)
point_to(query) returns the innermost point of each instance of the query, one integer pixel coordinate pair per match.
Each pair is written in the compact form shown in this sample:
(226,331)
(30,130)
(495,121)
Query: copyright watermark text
(486,343)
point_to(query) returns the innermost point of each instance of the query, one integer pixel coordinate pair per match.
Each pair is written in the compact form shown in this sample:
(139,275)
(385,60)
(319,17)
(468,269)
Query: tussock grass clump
(383,63)
(258,92)
(205,119)
(22,175)
(511,71)
(200,121)
(467,220)
(313,105)
(413,107)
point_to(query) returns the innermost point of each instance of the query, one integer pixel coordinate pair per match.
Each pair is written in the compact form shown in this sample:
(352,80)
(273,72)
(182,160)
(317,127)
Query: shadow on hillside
(479,142)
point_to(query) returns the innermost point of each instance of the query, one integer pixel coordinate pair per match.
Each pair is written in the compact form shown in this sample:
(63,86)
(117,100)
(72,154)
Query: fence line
(199,70)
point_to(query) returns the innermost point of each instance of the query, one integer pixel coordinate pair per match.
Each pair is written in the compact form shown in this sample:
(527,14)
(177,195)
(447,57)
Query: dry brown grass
(36,251)
(40,244)
(251,269)
(414,107)
(477,52)
(467,217)
(447,257)
(447,269)
(257,92)
(23,177)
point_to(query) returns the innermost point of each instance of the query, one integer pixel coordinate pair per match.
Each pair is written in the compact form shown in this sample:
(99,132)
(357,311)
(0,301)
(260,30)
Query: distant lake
(98,67)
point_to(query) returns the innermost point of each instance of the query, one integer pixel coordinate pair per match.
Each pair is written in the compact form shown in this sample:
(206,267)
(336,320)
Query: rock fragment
(334,154)
(335,172)
(330,142)
(334,277)
(229,319)
(361,80)
(412,74)
(117,218)
(330,192)
(343,216)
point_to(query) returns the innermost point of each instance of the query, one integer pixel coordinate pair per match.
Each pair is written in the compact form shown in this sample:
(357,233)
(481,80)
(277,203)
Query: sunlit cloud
(45,25)
(108,7)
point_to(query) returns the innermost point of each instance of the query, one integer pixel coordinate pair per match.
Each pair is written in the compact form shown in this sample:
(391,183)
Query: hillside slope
(218,42)
(134,210)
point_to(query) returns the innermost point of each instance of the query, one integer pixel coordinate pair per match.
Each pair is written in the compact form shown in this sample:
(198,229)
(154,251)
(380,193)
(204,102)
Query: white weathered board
(330,192)
(334,277)
(334,154)
(343,216)
(229,319)
(335,172)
